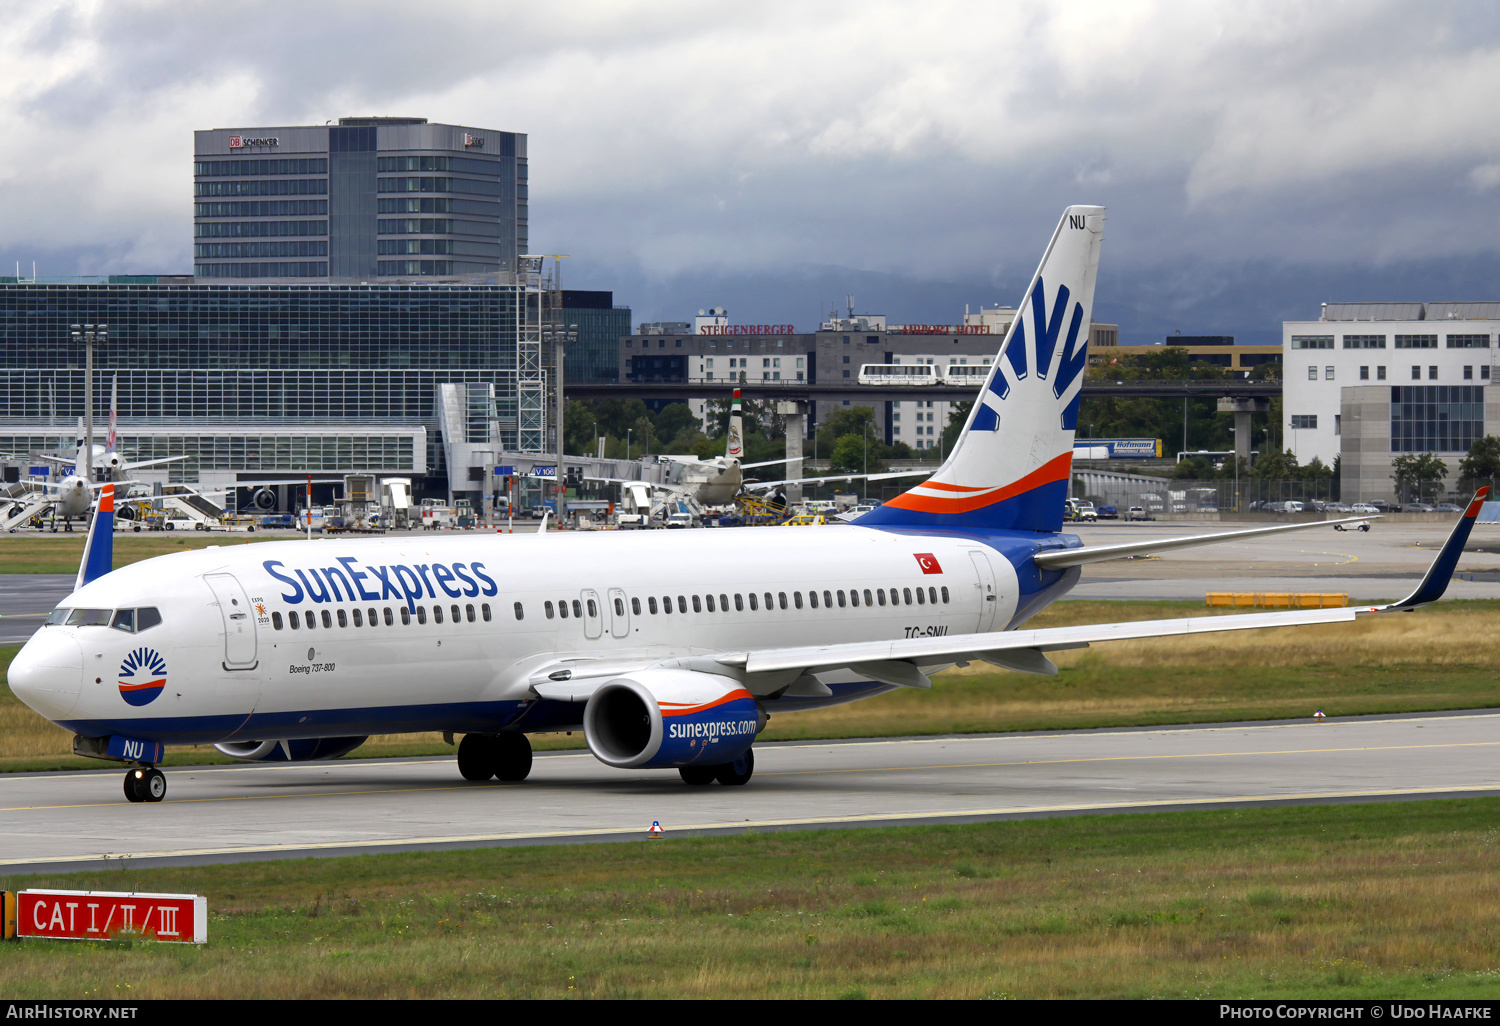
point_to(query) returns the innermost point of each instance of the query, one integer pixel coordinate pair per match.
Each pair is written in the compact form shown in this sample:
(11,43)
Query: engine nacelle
(663,718)
(305,749)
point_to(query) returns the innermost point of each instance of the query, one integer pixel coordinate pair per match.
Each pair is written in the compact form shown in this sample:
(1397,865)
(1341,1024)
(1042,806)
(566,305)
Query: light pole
(627,445)
(87,333)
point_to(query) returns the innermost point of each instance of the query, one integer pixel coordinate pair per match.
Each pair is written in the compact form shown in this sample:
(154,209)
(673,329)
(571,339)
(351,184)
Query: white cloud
(880,134)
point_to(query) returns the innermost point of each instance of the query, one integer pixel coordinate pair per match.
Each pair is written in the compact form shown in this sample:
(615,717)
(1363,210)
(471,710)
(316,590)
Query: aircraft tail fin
(736,447)
(1010,467)
(99,549)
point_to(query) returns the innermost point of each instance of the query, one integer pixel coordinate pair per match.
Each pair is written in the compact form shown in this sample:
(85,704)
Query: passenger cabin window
(682,603)
(920,597)
(593,609)
(724,603)
(390,620)
(374,617)
(457,616)
(547,609)
(328,619)
(291,619)
(651,604)
(880,595)
(781,598)
(437,614)
(828,599)
(405,617)
(739,602)
(635,606)
(311,619)
(484,611)
(578,609)
(812,599)
(421,615)
(906,595)
(343,618)
(697,605)
(753,603)
(619,606)
(359,620)
(666,603)
(562,609)
(797,599)
(945,594)
(276,623)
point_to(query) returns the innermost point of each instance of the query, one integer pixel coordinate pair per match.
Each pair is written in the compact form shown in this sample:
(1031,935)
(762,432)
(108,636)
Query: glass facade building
(367,200)
(262,378)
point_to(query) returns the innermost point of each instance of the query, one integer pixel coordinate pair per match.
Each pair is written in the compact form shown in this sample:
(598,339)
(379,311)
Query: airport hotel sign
(747,329)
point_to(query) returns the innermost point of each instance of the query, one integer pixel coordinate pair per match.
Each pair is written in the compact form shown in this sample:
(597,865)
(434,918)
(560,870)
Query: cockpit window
(90,617)
(146,618)
(58,616)
(124,620)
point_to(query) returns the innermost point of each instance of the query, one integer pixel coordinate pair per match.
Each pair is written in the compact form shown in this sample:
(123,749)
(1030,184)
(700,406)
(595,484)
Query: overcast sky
(1257,157)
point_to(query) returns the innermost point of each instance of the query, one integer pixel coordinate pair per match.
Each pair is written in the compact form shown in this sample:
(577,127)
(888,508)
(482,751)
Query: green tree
(1277,466)
(856,454)
(1418,472)
(1482,465)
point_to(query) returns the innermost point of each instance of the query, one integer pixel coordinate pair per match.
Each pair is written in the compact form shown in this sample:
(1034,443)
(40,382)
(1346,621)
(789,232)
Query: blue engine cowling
(663,718)
(305,749)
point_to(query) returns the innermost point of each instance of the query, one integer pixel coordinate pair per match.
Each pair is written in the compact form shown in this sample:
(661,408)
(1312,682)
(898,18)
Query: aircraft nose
(47,674)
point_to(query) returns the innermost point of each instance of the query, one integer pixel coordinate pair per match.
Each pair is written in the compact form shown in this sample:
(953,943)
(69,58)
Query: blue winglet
(1436,582)
(99,549)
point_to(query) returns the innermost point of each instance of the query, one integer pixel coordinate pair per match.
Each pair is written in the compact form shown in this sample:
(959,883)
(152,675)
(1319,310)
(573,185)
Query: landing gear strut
(731,774)
(504,756)
(145,784)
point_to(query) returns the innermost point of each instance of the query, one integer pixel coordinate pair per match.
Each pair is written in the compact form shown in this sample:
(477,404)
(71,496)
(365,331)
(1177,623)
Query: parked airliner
(667,650)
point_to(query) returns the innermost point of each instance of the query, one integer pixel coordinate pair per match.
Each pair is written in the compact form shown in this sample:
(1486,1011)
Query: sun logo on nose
(143,676)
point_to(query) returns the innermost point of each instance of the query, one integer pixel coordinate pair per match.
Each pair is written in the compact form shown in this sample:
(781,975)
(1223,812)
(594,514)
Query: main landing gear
(504,756)
(730,774)
(145,784)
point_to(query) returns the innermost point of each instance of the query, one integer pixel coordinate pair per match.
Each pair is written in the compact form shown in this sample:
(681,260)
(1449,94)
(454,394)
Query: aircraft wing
(1060,558)
(899,661)
(151,463)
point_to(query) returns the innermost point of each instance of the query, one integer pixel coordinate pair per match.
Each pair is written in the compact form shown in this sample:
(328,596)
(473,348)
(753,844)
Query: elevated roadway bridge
(841,390)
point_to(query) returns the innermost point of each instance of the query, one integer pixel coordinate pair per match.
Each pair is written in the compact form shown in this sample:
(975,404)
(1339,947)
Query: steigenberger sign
(108,915)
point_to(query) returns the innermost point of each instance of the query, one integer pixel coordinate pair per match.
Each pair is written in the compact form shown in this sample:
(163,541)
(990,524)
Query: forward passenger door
(593,615)
(619,620)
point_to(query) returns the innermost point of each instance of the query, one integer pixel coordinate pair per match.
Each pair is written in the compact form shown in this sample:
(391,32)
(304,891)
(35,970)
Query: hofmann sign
(1118,448)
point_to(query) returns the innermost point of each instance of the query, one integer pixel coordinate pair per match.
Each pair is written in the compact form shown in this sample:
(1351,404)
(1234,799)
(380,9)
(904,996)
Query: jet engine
(305,749)
(264,499)
(663,718)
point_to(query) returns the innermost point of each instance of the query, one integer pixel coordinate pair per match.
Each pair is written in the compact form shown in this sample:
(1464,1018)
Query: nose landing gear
(145,784)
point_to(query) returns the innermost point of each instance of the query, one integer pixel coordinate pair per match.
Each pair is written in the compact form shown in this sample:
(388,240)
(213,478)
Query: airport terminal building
(1372,381)
(259,382)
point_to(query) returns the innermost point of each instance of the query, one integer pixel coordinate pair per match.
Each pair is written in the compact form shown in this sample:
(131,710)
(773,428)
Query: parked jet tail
(735,449)
(1010,467)
(99,549)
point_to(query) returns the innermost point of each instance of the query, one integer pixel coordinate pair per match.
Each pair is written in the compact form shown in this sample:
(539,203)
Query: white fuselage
(462,658)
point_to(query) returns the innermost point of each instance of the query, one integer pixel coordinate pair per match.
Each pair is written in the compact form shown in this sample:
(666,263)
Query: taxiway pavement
(79,820)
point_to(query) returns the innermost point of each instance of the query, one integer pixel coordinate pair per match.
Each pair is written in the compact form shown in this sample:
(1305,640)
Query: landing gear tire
(475,759)
(697,775)
(733,774)
(145,785)
(512,757)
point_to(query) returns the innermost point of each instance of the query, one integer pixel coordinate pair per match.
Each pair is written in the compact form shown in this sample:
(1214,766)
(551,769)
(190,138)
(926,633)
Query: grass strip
(1385,900)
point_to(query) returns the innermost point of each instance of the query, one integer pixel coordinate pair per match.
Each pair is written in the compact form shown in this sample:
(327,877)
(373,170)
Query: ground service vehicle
(667,650)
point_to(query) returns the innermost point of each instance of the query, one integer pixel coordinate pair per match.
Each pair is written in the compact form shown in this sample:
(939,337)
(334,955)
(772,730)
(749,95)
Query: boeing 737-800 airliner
(668,650)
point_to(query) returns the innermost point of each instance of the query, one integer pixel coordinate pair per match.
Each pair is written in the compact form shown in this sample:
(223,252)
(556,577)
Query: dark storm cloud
(691,154)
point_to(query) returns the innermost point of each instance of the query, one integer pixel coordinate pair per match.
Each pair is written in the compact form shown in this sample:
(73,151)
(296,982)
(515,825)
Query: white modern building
(1372,381)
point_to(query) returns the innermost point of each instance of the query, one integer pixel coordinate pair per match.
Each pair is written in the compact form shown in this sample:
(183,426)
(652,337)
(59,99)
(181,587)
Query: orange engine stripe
(683,710)
(1055,470)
